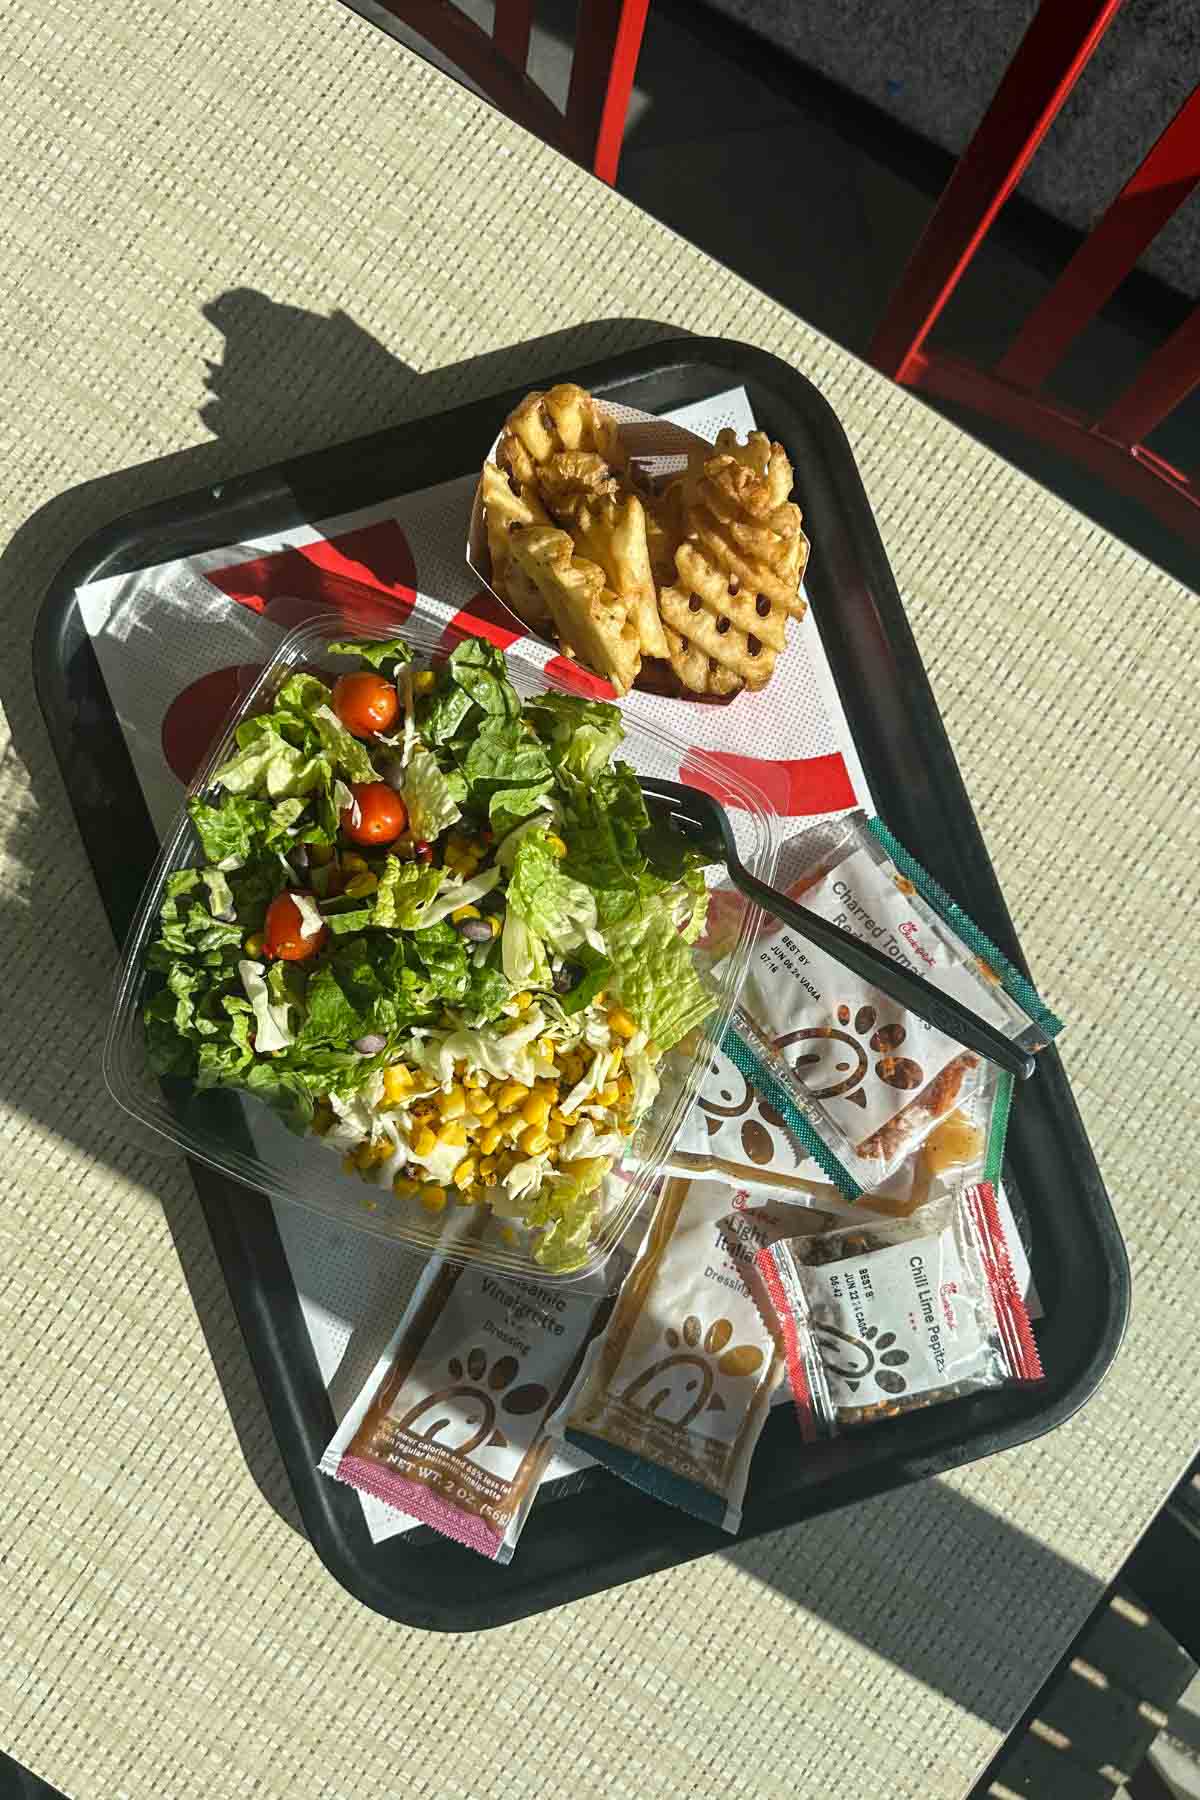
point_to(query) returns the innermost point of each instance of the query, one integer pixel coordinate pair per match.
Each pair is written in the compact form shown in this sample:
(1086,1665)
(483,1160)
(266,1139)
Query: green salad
(427,931)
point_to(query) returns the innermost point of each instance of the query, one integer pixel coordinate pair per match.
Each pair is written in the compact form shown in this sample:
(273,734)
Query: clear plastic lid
(245,1140)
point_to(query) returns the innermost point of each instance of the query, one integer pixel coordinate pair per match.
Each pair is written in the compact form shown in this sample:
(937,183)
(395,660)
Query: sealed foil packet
(674,1396)
(450,1429)
(859,1081)
(894,1314)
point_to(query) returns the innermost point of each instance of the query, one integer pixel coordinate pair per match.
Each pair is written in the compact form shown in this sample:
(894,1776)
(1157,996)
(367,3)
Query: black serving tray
(605,1532)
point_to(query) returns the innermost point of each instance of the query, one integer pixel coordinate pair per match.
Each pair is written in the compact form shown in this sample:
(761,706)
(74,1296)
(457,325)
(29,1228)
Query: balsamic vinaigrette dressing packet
(675,1394)
(845,1080)
(883,1317)
(450,1428)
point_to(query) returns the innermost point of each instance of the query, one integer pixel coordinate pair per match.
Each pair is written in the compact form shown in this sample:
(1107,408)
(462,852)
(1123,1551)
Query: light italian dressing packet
(673,1397)
(870,1078)
(451,1426)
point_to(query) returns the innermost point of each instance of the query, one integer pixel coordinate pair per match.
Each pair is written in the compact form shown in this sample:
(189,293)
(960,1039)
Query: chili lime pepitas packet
(887,1316)
(674,1396)
(859,1080)
(451,1426)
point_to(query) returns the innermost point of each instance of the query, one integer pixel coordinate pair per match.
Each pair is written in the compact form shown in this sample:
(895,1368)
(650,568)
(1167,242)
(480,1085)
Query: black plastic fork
(685,818)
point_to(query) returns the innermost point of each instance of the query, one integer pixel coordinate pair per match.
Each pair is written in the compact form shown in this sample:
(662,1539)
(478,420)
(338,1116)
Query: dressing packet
(869,1080)
(450,1428)
(674,1396)
(883,1317)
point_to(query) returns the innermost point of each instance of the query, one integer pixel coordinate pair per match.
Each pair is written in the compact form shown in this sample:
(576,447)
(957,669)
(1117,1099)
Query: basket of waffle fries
(656,559)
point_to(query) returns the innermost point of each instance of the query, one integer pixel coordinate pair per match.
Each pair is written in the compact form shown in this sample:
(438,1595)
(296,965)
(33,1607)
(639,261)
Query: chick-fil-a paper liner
(179,642)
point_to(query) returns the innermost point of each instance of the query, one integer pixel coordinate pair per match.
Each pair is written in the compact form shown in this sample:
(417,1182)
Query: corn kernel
(359,886)
(255,944)
(510,1095)
(471,1196)
(425,1142)
(556,1131)
(464,1175)
(572,1067)
(349,1164)
(424,681)
(610,1093)
(556,844)
(487,1168)
(364,1156)
(490,1139)
(494,922)
(546,1047)
(601,998)
(464,912)
(620,1023)
(396,1082)
(522,1001)
(452,1105)
(404,1188)
(624,1089)
(535,1109)
(490,1116)
(454,1133)
(433,1198)
(533,1140)
(355,863)
(616,1057)
(424,1112)
(478,1103)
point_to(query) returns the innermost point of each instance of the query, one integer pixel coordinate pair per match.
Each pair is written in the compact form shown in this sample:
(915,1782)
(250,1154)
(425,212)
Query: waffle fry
(733,504)
(726,650)
(565,418)
(612,533)
(590,620)
(573,475)
(504,511)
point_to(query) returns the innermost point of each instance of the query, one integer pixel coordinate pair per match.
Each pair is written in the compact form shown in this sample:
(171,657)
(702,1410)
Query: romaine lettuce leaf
(503,755)
(653,974)
(383,656)
(580,735)
(229,832)
(565,1210)
(346,754)
(404,888)
(601,824)
(268,765)
(557,909)
(522,954)
(430,796)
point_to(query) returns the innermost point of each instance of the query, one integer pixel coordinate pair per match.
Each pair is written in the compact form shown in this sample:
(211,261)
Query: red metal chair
(1052,55)
(608,38)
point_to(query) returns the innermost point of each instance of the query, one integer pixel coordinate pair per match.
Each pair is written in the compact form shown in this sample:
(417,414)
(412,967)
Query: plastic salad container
(244,1139)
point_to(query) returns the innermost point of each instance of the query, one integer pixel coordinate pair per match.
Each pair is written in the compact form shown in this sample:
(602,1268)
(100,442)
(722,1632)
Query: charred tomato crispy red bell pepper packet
(858,1081)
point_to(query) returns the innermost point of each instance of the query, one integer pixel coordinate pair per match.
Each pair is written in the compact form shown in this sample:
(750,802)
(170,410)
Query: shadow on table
(919,1577)
(287,381)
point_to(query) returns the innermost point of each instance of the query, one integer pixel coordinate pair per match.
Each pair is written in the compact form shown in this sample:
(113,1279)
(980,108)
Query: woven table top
(354,240)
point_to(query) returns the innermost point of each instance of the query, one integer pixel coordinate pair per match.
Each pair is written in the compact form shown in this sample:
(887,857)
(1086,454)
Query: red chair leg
(1053,54)
(608,42)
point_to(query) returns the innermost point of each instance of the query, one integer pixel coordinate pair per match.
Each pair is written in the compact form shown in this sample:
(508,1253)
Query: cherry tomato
(365,703)
(381,814)
(282,936)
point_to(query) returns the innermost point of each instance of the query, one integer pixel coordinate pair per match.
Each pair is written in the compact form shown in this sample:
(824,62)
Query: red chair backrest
(608,38)
(1052,56)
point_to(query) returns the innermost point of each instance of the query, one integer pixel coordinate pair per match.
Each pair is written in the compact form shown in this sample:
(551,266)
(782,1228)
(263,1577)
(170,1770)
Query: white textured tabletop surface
(354,240)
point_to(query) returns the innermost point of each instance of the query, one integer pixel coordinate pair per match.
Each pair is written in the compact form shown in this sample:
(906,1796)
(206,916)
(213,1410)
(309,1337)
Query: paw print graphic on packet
(674,1396)
(450,1428)
(889,1315)
(870,1079)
